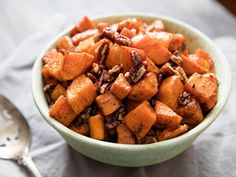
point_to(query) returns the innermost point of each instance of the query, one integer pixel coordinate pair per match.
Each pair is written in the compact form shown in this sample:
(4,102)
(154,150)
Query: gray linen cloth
(213,154)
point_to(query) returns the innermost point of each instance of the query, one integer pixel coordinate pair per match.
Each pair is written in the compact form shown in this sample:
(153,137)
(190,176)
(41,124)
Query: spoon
(15,136)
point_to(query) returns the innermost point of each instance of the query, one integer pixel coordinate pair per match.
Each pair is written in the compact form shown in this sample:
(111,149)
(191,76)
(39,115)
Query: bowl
(145,154)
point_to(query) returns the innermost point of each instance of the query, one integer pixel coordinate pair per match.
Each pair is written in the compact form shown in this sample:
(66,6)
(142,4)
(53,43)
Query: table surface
(22,24)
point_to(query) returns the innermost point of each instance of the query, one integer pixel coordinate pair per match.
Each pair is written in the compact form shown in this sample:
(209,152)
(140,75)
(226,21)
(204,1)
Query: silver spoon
(15,136)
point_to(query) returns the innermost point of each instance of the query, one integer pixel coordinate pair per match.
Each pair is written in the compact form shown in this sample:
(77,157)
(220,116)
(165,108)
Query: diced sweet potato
(81,93)
(121,55)
(84,24)
(76,39)
(199,62)
(204,88)
(58,91)
(151,67)
(107,103)
(158,53)
(177,42)
(50,55)
(165,116)
(96,126)
(101,26)
(191,113)
(129,33)
(75,64)
(62,112)
(81,129)
(121,87)
(162,37)
(125,136)
(140,119)
(170,90)
(130,23)
(65,43)
(155,26)
(173,132)
(45,72)
(144,89)
(85,45)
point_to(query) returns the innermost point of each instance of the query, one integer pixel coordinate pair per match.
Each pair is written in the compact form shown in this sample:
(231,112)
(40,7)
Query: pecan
(183,75)
(103,52)
(105,87)
(177,60)
(115,37)
(112,125)
(138,69)
(168,70)
(149,139)
(185,98)
(92,77)
(95,68)
(115,69)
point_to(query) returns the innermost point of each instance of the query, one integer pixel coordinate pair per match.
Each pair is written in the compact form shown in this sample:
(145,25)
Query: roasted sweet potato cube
(62,112)
(144,89)
(204,88)
(191,113)
(199,62)
(155,26)
(107,103)
(75,64)
(85,45)
(121,55)
(162,37)
(101,26)
(173,132)
(76,39)
(58,91)
(151,67)
(125,136)
(140,119)
(130,23)
(129,33)
(158,53)
(177,42)
(81,93)
(81,129)
(55,63)
(170,90)
(84,24)
(121,87)
(96,126)
(65,43)
(165,116)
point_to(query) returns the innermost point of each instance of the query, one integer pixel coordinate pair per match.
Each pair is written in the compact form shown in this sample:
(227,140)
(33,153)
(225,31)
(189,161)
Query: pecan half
(103,52)
(115,37)
(138,69)
(177,60)
(115,69)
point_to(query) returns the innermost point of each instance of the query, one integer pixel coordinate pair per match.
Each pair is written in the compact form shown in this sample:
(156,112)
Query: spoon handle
(27,161)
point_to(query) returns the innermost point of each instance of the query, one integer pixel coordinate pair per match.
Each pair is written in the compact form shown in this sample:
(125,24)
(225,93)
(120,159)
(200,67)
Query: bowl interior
(195,39)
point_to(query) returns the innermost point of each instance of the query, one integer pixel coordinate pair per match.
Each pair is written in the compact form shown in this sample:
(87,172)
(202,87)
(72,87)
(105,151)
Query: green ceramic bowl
(148,154)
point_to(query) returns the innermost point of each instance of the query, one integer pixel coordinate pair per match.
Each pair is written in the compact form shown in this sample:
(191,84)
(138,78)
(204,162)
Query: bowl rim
(38,94)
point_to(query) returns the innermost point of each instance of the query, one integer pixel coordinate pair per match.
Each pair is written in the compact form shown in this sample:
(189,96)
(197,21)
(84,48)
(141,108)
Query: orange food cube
(158,53)
(170,90)
(199,62)
(144,89)
(107,103)
(204,88)
(76,39)
(84,24)
(81,93)
(125,136)
(81,129)
(121,87)
(177,42)
(130,23)
(97,127)
(129,33)
(155,26)
(165,116)
(101,26)
(65,43)
(191,113)
(151,67)
(140,119)
(75,64)
(58,91)
(62,112)
(173,132)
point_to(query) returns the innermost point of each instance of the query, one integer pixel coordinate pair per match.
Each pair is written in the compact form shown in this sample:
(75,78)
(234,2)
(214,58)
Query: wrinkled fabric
(213,154)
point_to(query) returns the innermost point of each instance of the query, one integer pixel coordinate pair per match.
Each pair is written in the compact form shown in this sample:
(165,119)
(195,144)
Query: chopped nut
(116,37)
(182,74)
(92,77)
(95,68)
(185,98)
(176,59)
(103,52)
(115,69)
